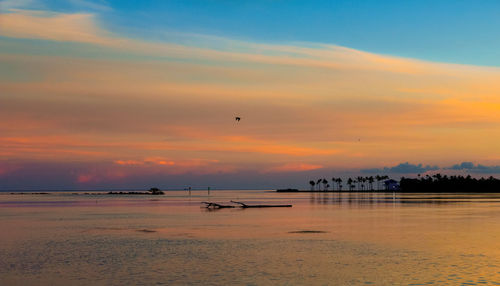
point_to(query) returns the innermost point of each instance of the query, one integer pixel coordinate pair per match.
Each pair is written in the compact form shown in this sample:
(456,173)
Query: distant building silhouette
(391,185)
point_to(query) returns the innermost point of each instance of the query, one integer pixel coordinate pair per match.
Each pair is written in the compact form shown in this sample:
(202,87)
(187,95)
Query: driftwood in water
(243,205)
(287,190)
(209,205)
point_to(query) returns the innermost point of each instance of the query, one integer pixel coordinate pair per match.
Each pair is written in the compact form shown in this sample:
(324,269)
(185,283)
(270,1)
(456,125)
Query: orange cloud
(170,163)
(129,162)
(159,161)
(155,161)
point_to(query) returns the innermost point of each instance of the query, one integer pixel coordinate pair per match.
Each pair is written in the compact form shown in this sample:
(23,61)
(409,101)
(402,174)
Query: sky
(135,94)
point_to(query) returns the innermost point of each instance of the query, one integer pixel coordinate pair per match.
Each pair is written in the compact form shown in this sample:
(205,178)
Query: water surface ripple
(324,239)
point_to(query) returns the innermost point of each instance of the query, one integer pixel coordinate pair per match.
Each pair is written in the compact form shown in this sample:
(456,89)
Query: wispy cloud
(36,24)
(82,27)
(9,5)
(98,5)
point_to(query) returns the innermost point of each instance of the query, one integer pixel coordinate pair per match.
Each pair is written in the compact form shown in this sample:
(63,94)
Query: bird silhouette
(237,118)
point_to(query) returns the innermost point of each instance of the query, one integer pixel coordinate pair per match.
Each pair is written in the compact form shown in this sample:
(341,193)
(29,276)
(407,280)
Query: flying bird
(237,118)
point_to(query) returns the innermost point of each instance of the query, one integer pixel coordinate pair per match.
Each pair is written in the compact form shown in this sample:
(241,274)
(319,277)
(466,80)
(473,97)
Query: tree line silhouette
(453,184)
(429,183)
(360,182)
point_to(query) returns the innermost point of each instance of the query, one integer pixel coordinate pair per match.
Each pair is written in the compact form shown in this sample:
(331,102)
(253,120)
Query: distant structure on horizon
(391,185)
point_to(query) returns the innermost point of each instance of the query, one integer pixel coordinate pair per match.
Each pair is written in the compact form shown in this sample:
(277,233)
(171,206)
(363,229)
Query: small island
(152,191)
(436,183)
(287,190)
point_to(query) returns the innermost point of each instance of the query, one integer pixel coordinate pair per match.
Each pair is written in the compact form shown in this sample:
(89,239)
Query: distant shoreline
(388,191)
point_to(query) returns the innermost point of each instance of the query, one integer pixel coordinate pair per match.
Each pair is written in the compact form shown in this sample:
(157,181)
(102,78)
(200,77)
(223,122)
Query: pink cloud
(293,167)
(167,166)
(93,176)
(84,178)
(6,169)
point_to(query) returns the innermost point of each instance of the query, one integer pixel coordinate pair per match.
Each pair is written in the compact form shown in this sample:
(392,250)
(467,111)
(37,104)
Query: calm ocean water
(324,239)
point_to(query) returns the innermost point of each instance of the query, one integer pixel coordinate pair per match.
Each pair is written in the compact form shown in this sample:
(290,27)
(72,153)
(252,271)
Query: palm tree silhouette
(312,183)
(325,182)
(378,178)
(359,179)
(383,178)
(370,181)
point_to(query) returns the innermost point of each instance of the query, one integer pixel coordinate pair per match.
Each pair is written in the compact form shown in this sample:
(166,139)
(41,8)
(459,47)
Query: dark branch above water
(243,205)
(211,205)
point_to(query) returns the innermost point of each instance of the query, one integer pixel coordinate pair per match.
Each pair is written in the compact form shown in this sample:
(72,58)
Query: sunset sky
(135,94)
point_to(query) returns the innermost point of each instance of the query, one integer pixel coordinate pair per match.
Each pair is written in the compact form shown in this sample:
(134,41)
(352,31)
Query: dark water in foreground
(324,239)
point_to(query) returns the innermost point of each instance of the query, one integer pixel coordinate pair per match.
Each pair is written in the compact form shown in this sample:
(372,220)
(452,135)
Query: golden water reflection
(325,238)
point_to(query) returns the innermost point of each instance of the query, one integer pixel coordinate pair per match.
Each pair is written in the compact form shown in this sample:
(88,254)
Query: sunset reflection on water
(325,238)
